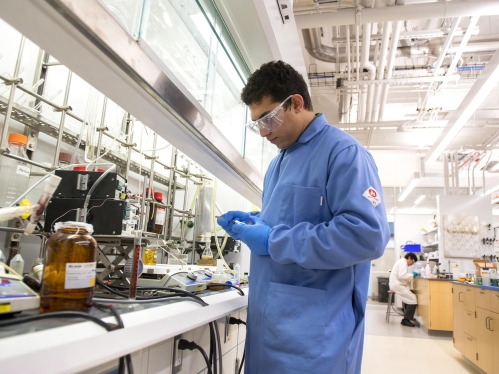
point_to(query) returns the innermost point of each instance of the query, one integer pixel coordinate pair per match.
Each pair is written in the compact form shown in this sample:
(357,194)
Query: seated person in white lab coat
(400,278)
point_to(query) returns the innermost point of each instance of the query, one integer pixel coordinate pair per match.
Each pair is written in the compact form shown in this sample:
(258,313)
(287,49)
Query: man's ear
(298,103)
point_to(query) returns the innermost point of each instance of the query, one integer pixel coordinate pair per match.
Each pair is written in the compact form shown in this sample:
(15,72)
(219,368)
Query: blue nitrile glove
(415,274)
(226,221)
(255,236)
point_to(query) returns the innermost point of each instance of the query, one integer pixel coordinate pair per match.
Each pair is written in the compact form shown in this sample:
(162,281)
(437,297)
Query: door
(470,351)
(469,299)
(494,327)
(441,311)
(458,308)
(494,302)
(484,337)
(469,323)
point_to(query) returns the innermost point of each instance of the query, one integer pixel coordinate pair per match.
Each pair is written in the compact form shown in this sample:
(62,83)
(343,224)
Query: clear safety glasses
(271,121)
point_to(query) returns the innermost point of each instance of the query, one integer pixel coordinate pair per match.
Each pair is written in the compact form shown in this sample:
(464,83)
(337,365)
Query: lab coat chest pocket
(295,320)
(300,204)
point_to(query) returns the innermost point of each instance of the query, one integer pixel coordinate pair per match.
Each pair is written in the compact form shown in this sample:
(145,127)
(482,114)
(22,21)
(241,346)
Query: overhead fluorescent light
(419,199)
(410,186)
(478,92)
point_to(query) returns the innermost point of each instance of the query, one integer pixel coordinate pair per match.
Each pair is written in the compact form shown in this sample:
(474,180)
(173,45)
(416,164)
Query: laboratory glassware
(69,272)
(17,171)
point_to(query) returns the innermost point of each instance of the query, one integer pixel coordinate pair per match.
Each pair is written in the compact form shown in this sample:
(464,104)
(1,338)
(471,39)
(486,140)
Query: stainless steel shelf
(39,123)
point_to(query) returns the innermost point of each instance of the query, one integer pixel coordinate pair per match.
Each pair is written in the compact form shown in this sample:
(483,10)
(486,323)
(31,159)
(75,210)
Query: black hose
(62,314)
(174,290)
(241,292)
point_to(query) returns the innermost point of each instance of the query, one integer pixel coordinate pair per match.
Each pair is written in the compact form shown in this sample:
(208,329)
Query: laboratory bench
(476,324)
(70,346)
(434,303)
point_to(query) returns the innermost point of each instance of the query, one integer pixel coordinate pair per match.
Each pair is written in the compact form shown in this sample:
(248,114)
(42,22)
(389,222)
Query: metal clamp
(11,81)
(63,108)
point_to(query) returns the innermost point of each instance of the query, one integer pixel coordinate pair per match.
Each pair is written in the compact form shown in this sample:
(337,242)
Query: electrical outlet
(177,356)
(228,329)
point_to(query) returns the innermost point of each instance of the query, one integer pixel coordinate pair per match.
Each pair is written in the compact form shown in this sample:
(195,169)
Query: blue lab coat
(307,299)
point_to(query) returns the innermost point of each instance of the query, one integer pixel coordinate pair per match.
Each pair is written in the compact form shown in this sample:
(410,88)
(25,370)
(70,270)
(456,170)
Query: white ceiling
(401,139)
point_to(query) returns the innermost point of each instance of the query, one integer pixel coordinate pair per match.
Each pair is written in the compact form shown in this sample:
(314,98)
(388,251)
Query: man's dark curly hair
(277,80)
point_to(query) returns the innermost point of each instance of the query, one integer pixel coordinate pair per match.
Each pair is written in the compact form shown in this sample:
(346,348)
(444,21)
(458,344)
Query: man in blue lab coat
(322,221)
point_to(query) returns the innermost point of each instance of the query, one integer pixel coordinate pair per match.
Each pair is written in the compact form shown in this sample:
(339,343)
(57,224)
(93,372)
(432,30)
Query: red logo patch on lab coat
(372,195)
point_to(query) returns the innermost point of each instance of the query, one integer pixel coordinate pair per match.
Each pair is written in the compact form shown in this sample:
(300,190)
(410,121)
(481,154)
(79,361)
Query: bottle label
(80,275)
(160,216)
(23,170)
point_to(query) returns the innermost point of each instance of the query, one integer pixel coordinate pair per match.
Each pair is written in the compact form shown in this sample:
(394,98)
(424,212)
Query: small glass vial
(69,272)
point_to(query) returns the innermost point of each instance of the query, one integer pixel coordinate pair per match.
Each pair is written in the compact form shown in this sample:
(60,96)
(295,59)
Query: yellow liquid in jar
(150,256)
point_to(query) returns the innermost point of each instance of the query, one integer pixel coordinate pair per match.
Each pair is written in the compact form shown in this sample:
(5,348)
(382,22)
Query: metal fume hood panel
(87,39)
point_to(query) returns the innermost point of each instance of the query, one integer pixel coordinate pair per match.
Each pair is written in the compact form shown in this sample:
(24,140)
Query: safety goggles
(271,121)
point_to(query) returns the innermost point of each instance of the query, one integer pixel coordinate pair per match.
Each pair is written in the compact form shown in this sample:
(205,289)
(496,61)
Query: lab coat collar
(313,129)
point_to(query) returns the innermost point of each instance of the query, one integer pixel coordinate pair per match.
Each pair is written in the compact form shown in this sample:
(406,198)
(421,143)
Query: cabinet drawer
(494,301)
(482,298)
(469,323)
(470,351)
(469,298)
(440,287)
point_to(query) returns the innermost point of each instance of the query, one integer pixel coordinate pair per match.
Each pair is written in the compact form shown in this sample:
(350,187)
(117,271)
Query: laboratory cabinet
(434,303)
(476,325)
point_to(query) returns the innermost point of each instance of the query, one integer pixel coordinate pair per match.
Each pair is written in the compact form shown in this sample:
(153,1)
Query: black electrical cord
(63,314)
(241,292)
(121,325)
(213,349)
(177,291)
(237,321)
(184,344)
(242,362)
(217,333)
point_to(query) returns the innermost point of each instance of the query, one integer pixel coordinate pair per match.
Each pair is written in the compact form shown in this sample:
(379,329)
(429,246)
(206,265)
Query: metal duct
(431,48)
(321,52)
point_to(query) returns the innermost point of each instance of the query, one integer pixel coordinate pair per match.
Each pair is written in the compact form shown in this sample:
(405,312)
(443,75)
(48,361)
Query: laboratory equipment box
(78,183)
(106,215)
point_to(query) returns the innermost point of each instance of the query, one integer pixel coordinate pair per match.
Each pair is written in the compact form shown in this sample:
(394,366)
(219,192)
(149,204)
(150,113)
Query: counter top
(435,279)
(86,345)
(492,288)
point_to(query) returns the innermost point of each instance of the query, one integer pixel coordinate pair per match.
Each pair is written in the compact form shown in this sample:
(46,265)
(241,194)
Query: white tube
(389,68)
(381,67)
(366,43)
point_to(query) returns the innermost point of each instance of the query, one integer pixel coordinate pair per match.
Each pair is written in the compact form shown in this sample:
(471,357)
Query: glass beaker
(69,272)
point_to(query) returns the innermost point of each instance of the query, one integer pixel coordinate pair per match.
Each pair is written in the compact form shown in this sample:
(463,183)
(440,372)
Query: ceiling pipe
(313,45)
(457,57)
(389,68)
(381,68)
(363,99)
(438,63)
(406,13)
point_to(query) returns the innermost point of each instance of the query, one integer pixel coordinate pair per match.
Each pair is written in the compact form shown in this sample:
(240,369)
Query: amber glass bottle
(69,272)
